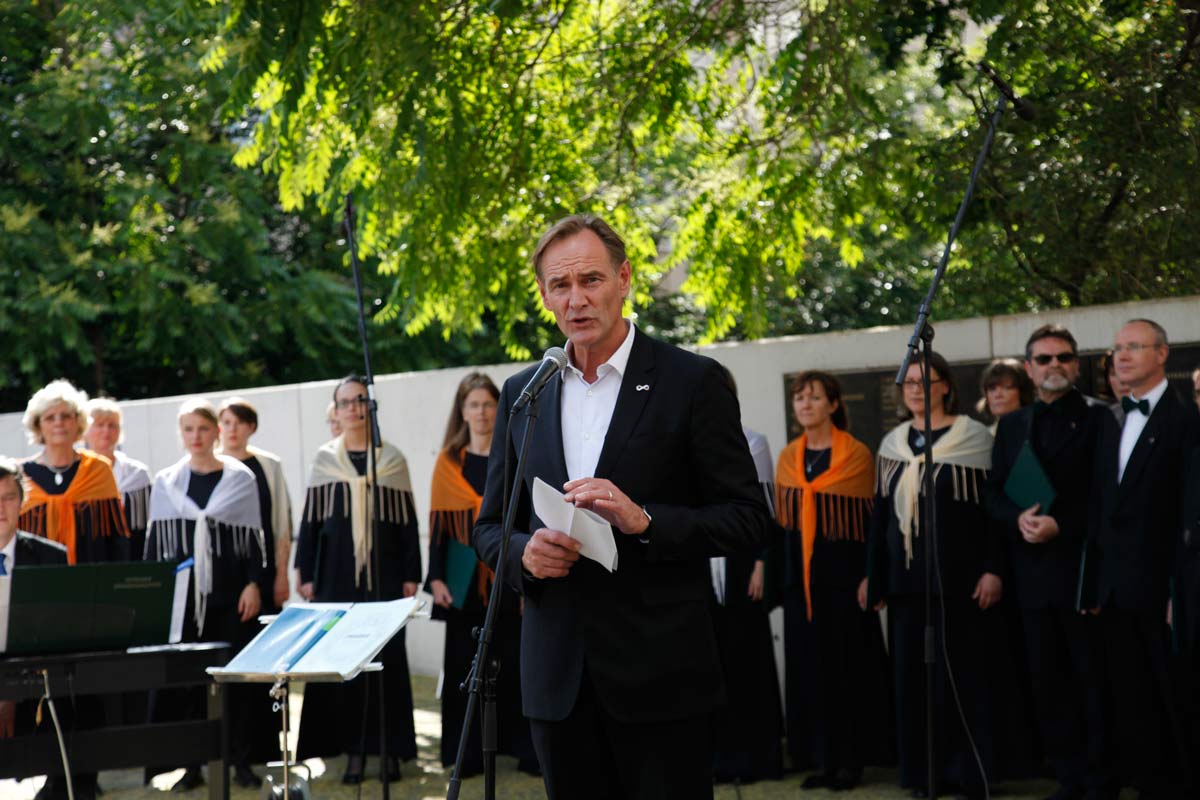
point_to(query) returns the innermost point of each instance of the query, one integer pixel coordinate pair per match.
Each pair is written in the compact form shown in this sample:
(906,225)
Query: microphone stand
(922,337)
(481,680)
(376,568)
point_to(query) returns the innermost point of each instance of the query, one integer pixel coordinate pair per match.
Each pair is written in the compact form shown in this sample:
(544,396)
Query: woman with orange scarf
(460,583)
(838,686)
(72,495)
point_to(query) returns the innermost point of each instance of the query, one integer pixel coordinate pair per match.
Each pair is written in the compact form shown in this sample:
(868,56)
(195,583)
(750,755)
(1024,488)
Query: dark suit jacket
(644,632)
(1064,441)
(36,551)
(1136,525)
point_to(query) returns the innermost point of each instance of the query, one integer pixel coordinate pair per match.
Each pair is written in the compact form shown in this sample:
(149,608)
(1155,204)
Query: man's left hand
(1037,528)
(604,498)
(410,588)
(249,603)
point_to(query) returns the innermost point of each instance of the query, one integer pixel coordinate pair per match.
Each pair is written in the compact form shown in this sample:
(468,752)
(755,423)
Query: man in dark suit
(620,670)
(1045,545)
(23,549)
(1136,530)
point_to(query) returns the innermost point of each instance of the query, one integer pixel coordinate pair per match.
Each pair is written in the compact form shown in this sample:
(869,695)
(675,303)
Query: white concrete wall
(414,406)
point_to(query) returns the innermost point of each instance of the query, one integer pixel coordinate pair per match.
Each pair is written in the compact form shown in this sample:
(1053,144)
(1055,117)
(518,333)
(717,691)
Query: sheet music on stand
(318,642)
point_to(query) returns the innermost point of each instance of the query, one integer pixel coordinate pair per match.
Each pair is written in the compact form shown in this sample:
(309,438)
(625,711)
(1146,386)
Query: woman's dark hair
(352,377)
(1003,371)
(241,409)
(458,433)
(833,393)
(941,371)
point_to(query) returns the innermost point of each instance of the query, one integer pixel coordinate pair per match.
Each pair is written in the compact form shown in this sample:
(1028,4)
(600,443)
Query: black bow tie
(1128,404)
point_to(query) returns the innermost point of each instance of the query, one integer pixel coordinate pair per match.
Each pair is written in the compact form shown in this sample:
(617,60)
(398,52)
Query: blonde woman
(106,430)
(73,497)
(205,508)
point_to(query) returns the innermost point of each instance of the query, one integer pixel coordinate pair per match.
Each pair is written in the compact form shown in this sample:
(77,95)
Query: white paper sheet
(183,580)
(5,591)
(593,532)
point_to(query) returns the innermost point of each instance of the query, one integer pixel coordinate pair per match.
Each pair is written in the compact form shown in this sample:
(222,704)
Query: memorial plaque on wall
(872,399)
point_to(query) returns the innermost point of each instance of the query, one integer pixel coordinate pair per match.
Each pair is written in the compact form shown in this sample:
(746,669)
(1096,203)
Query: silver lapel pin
(643,387)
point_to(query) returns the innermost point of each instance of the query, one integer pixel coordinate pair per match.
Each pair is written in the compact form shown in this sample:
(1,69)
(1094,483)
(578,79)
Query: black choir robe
(343,718)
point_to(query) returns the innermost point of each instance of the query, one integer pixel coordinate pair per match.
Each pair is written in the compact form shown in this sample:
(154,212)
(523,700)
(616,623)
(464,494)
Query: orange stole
(842,496)
(54,515)
(453,507)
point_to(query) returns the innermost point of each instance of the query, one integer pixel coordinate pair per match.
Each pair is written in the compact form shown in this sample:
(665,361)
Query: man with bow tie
(1136,529)
(1044,545)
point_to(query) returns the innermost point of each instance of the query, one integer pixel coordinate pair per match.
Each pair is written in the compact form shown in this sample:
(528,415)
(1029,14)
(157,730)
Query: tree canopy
(172,172)
(788,154)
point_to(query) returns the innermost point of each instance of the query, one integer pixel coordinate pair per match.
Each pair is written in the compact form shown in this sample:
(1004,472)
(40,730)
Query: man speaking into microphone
(619,670)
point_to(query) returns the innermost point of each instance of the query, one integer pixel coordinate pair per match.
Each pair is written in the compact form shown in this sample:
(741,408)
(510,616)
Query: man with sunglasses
(1045,544)
(1137,529)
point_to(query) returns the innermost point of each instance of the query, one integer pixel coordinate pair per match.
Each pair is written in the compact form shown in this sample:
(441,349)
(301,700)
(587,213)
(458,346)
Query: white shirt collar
(1154,395)
(617,362)
(10,554)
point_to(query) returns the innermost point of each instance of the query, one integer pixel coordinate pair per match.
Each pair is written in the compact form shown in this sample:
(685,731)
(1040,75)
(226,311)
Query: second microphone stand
(373,446)
(922,337)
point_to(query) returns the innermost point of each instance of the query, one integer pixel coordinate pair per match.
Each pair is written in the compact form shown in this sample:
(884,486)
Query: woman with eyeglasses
(335,558)
(971,640)
(72,495)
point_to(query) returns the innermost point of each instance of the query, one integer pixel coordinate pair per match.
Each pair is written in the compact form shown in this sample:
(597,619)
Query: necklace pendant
(58,479)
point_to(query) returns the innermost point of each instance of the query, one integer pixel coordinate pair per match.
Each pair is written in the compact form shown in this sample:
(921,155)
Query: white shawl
(133,482)
(967,445)
(234,502)
(333,472)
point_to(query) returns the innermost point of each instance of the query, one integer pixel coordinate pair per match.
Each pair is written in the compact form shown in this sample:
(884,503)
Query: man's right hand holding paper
(550,554)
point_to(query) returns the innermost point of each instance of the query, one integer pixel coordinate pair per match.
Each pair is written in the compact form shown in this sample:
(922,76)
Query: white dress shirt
(587,408)
(10,554)
(1135,423)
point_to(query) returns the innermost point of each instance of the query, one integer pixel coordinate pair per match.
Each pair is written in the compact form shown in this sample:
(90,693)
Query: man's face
(1052,365)
(580,287)
(1137,357)
(10,507)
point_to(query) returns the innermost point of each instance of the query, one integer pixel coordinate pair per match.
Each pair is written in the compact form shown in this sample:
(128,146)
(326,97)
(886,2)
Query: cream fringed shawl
(234,502)
(966,448)
(333,475)
(133,482)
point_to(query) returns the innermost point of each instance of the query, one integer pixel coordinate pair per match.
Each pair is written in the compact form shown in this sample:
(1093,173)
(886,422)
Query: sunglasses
(1045,358)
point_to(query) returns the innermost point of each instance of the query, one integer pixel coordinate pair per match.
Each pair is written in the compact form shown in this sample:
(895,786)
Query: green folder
(1028,483)
(58,609)
(460,568)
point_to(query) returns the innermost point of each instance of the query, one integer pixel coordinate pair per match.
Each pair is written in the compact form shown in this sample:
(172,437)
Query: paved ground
(425,779)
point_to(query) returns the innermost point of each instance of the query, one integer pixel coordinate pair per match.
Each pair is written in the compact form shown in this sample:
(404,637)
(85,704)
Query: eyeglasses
(344,404)
(1132,347)
(1042,359)
(918,384)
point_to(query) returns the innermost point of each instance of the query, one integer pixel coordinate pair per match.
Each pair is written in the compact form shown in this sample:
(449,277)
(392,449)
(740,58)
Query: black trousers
(1066,662)
(1148,736)
(591,755)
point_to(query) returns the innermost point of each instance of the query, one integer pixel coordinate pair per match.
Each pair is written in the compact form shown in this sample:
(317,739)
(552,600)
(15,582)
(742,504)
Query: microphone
(553,362)
(1022,106)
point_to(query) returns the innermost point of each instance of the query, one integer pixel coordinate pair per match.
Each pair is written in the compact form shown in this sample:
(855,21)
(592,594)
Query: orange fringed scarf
(843,495)
(92,490)
(453,508)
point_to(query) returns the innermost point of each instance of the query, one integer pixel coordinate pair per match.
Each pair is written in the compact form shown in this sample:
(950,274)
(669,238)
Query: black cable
(931,530)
